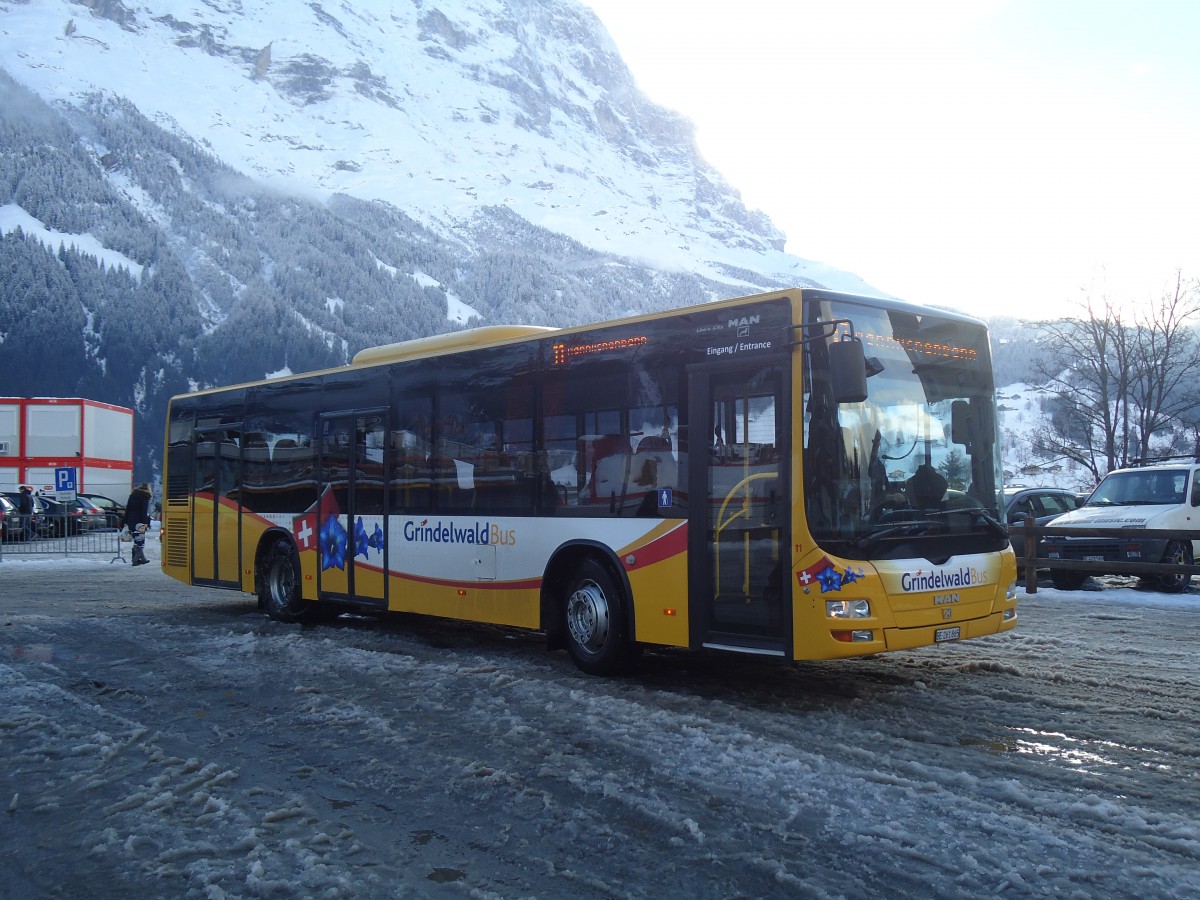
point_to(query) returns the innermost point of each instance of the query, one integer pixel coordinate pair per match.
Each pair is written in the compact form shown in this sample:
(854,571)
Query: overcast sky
(998,155)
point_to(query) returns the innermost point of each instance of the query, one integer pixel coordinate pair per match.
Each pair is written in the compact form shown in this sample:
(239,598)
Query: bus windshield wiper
(994,525)
(892,529)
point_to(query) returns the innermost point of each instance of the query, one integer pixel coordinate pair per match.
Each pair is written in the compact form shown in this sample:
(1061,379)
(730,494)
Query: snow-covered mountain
(211,191)
(441,109)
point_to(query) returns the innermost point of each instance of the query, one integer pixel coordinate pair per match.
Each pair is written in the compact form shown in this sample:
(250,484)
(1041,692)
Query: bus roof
(490,335)
(437,343)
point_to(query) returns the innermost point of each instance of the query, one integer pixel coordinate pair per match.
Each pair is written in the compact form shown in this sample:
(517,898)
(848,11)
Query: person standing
(137,520)
(25,508)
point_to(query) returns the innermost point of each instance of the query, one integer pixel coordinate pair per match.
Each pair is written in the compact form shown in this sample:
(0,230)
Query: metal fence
(56,536)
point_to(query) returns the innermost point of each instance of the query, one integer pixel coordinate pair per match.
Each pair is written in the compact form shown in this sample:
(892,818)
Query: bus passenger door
(351,521)
(216,493)
(738,502)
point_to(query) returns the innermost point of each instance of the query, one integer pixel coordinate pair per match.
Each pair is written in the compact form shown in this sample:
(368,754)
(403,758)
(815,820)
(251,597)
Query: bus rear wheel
(598,632)
(279,586)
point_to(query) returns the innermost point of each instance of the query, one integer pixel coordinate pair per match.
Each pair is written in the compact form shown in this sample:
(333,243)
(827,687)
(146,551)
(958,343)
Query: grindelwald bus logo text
(426,532)
(940,579)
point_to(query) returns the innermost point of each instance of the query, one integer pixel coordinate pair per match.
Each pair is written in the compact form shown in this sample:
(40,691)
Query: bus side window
(293,473)
(559,461)
(654,467)
(608,462)
(368,490)
(411,451)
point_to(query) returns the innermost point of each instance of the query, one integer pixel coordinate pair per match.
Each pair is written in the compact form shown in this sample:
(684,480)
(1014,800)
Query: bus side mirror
(848,371)
(960,427)
(968,423)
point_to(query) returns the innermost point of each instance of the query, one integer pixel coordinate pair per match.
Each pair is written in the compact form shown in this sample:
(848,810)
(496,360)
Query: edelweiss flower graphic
(830,579)
(827,575)
(376,540)
(361,540)
(333,544)
(364,541)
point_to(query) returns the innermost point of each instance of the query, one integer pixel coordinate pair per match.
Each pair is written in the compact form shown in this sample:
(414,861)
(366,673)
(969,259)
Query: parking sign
(64,483)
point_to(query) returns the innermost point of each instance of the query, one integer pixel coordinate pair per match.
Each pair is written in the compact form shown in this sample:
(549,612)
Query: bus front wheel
(279,586)
(598,632)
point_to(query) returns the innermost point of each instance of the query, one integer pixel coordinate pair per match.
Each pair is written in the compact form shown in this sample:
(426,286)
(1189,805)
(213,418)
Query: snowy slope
(1022,420)
(441,110)
(13,216)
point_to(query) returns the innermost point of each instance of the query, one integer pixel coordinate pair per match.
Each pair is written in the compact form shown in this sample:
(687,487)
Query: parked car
(113,510)
(94,516)
(39,525)
(10,519)
(75,516)
(1158,496)
(1043,503)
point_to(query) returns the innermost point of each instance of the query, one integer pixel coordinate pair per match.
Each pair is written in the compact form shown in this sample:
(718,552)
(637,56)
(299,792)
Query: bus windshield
(1147,487)
(914,470)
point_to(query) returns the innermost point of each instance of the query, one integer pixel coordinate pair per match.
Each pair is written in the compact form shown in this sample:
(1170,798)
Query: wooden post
(1030,556)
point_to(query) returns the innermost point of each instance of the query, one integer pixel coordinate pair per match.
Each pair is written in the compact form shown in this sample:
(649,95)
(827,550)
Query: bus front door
(216,536)
(739,505)
(352,525)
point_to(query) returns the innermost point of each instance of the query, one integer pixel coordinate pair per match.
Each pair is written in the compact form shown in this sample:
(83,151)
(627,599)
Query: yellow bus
(800,474)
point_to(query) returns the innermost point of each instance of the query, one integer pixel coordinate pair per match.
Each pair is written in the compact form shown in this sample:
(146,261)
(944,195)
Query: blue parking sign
(64,479)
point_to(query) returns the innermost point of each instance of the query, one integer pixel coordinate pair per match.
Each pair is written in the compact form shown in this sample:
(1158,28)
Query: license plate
(948,634)
(1094,558)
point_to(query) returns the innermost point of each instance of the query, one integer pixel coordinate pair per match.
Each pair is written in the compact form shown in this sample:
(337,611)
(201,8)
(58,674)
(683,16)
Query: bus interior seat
(654,443)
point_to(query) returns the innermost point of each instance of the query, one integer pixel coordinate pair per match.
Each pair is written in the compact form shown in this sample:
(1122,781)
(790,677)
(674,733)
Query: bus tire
(598,624)
(1179,553)
(279,586)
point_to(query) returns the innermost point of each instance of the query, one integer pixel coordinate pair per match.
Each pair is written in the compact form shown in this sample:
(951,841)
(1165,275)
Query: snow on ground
(169,741)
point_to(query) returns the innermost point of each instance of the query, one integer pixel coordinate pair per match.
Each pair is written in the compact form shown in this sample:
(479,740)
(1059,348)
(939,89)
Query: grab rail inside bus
(722,524)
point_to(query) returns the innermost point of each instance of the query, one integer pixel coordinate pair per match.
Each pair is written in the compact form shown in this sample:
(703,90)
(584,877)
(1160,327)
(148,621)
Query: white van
(1158,496)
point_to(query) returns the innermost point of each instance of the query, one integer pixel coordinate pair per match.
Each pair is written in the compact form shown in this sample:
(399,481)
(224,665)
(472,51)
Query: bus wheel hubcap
(588,617)
(281,583)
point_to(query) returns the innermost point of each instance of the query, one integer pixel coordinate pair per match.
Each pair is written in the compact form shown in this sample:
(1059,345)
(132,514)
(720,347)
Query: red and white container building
(41,434)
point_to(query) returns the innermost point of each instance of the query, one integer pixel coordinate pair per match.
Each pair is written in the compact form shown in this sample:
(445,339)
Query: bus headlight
(848,609)
(1011,593)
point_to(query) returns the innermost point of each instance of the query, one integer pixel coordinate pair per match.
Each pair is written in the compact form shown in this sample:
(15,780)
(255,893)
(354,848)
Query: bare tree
(1118,380)
(1166,363)
(1085,366)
